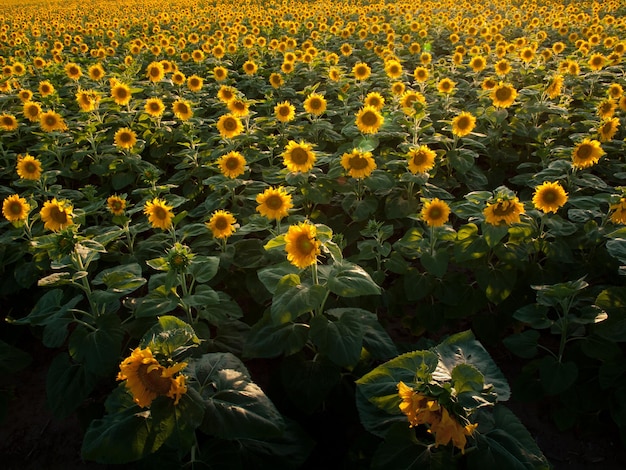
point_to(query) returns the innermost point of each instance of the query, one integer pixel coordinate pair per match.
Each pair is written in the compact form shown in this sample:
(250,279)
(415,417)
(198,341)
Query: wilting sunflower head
(274,203)
(555,86)
(503,210)
(179,257)
(412,102)
(549,197)
(299,156)
(222,224)
(232,165)
(618,211)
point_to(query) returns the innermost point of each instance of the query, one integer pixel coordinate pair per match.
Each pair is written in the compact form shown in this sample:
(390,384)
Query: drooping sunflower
(608,128)
(46,88)
(220,73)
(421,159)
(285,111)
(361,71)
(435,212)
(301,245)
(232,164)
(121,94)
(274,203)
(420,74)
(606,108)
(15,209)
(358,164)
(116,204)
(315,104)
(8,122)
(229,126)
(226,93)
(31,111)
(375,100)
(52,121)
(56,215)
(73,71)
(195,83)
(445,86)
(369,120)
(503,95)
(154,107)
(549,197)
(586,153)
(238,107)
(555,86)
(125,138)
(159,214)
(28,167)
(478,63)
(299,156)
(618,215)
(463,124)
(505,211)
(182,110)
(222,224)
(411,101)
(146,379)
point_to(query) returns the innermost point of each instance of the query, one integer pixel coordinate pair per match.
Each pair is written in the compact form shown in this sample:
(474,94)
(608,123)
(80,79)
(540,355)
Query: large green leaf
(523,344)
(67,385)
(266,339)
(436,263)
(122,279)
(557,377)
(179,421)
(496,282)
(293,298)
(341,340)
(169,337)
(99,349)
(350,280)
(204,268)
(12,359)
(271,276)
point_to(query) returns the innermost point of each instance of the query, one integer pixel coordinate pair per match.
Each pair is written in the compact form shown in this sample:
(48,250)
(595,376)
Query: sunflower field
(330,234)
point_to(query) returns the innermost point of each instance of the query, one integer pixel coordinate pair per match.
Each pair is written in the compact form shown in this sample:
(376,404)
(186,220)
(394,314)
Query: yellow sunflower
(463,124)
(478,63)
(8,122)
(596,62)
(606,108)
(274,203)
(46,88)
(15,209)
(238,107)
(52,121)
(502,67)
(503,211)
(226,93)
(96,72)
(618,215)
(503,95)
(222,224)
(420,74)
(587,153)
(121,94)
(182,110)
(56,215)
(276,80)
(393,69)
(87,100)
(358,164)
(615,91)
(608,129)
(410,101)
(445,86)
(232,164)
(250,67)
(28,167)
(315,104)
(146,379)
(301,245)
(549,197)
(299,157)
(435,212)
(159,214)
(397,88)
(285,111)
(555,86)
(125,138)
(73,71)
(220,73)
(195,83)
(25,95)
(369,120)
(154,107)
(361,71)
(116,205)
(334,74)
(155,72)
(375,100)
(31,111)
(488,83)
(421,159)
(178,78)
(229,126)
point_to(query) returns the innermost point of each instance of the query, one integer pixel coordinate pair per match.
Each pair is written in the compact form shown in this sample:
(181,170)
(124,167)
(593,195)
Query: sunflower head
(358,163)
(56,215)
(369,120)
(116,205)
(586,153)
(435,212)
(232,165)
(421,159)
(301,245)
(154,107)
(463,124)
(504,209)
(125,138)
(182,109)
(315,104)
(503,95)
(222,224)
(15,209)
(179,257)
(361,71)
(299,156)
(229,126)
(445,86)
(28,167)
(159,214)
(194,83)
(549,197)
(285,111)
(274,203)
(618,211)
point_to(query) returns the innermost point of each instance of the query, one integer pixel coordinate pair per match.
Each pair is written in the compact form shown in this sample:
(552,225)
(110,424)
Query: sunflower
(52,121)
(478,63)
(410,101)
(125,138)
(197,55)
(87,100)
(315,104)
(502,67)
(159,214)
(555,87)
(154,107)
(608,129)
(606,108)
(622,103)
(346,49)
(299,157)
(615,91)
(420,74)
(503,95)
(274,203)
(155,72)
(121,94)
(194,83)
(8,122)
(182,110)
(503,211)
(226,93)
(397,88)
(28,167)
(435,212)
(369,120)
(445,86)
(587,153)
(393,69)
(238,107)
(463,124)
(358,164)
(222,224)
(31,111)
(301,245)
(96,72)
(116,205)
(426,58)
(488,83)
(25,95)
(250,67)
(287,67)
(374,100)
(596,62)
(619,212)
(285,111)
(220,73)
(229,126)
(334,74)
(527,54)
(46,88)
(178,78)
(146,379)
(276,80)
(549,197)
(361,71)
(73,71)
(421,159)
(56,215)
(15,209)
(232,164)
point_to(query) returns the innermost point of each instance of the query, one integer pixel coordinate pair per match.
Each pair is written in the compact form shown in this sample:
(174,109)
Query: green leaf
(493,234)
(179,421)
(202,296)
(67,386)
(435,263)
(157,302)
(496,282)
(340,340)
(557,377)
(276,242)
(534,315)
(467,378)
(12,359)
(225,309)
(271,276)
(98,350)
(617,249)
(350,280)
(121,280)
(169,337)
(204,268)
(267,339)
(523,344)
(292,299)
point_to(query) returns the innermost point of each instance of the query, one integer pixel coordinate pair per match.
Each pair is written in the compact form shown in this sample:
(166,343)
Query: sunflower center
(154,72)
(183,109)
(274,202)
(15,208)
(30,167)
(299,156)
(126,137)
(434,213)
(369,118)
(230,124)
(463,123)
(549,196)
(419,158)
(358,162)
(58,215)
(503,94)
(232,163)
(221,223)
(315,103)
(584,152)
(152,380)
(284,111)
(7,121)
(503,209)
(304,244)
(121,93)
(159,212)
